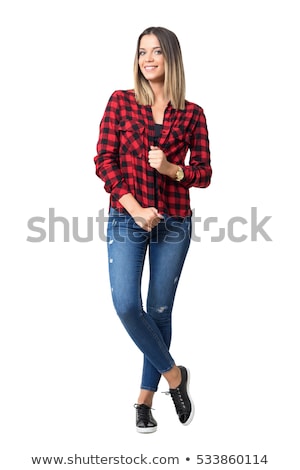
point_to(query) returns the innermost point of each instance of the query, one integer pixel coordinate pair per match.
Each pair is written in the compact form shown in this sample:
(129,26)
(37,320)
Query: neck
(158,90)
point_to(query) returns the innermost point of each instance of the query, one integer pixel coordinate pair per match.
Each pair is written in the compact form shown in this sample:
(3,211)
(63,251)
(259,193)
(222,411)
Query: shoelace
(177,399)
(143,412)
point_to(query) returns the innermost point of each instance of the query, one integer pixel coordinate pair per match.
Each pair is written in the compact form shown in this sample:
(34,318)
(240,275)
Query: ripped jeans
(167,245)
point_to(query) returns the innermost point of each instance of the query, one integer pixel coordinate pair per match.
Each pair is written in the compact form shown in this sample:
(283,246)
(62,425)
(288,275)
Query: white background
(70,374)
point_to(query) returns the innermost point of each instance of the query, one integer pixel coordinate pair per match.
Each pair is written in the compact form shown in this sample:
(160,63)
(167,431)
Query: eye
(141,53)
(158,51)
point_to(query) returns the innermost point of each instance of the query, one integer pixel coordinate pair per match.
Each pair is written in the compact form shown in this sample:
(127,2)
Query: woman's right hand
(147,218)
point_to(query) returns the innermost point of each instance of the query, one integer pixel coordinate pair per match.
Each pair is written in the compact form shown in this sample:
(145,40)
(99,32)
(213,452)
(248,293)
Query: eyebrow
(155,47)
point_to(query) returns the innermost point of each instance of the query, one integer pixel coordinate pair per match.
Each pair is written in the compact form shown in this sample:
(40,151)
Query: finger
(160,216)
(154,210)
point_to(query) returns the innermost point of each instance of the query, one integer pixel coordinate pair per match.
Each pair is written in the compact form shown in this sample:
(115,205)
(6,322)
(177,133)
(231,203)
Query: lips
(150,67)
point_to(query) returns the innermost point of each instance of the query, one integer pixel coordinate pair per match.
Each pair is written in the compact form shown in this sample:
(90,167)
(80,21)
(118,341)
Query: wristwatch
(179,174)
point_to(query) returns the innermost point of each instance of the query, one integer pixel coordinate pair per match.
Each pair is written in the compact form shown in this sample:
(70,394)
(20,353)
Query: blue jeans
(167,246)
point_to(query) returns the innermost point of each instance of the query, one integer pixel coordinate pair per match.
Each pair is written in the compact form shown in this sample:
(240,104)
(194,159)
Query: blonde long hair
(174,84)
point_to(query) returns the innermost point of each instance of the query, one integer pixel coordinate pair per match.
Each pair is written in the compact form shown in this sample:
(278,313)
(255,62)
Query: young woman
(144,138)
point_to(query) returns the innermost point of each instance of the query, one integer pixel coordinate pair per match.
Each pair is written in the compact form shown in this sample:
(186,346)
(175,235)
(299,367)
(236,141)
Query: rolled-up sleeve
(107,158)
(198,172)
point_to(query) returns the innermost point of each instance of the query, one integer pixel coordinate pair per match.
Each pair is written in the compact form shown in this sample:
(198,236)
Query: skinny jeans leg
(167,254)
(127,248)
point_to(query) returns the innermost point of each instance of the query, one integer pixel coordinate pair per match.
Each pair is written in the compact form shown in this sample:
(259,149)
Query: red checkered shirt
(126,133)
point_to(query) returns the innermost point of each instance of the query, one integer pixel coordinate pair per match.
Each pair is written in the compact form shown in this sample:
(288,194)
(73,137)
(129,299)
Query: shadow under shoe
(145,423)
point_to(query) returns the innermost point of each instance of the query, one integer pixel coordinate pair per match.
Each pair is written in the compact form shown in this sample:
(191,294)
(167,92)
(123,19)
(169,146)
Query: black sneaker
(145,422)
(181,399)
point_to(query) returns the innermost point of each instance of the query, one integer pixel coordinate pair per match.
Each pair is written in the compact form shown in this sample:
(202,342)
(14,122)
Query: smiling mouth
(150,67)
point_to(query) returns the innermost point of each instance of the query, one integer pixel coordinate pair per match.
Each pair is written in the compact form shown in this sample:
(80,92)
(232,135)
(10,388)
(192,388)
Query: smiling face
(151,59)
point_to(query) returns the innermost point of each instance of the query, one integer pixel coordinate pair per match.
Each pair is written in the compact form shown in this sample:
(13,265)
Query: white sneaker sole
(192,404)
(146,430)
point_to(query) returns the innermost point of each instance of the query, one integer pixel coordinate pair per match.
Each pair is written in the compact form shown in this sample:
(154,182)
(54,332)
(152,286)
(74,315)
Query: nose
(149,57)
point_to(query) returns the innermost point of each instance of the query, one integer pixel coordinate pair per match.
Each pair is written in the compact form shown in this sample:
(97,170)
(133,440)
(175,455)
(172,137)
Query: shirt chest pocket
(180,135)
(131,134)
(177,144)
